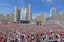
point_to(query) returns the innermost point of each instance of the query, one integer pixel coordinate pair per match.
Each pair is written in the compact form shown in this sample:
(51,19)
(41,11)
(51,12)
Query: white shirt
(59,40)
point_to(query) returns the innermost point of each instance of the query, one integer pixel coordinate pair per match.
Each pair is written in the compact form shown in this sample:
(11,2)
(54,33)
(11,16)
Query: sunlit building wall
(53,12)
(29,14)
(23,14)
(16,14)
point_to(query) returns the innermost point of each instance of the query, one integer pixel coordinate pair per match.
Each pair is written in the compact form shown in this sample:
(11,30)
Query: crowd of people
(31,37)
(31,33)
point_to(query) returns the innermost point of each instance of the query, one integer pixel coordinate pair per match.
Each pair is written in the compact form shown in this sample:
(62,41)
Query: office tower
(54,15)
(23,14)
(28,14)
(53,12)
(16,14)
(9,17)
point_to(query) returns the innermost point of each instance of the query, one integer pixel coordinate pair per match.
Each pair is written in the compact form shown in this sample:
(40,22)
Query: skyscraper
(16,14)
(23,13)
(53,12)
(28,14)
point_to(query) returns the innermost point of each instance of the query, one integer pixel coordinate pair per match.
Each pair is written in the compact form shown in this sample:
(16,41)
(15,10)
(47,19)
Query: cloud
(43,0)
(47,1)
(1,4)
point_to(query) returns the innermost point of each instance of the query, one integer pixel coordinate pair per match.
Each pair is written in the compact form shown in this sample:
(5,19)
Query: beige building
(55,18)
(29,14)
(41,18)
(58,18)
(53,15)
(61,18)
(16,14)
(2,17)
(9,17)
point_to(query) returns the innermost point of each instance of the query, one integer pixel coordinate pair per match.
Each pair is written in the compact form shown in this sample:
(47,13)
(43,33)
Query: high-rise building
(28,14)
(16,14)
(53,12)
(23,14)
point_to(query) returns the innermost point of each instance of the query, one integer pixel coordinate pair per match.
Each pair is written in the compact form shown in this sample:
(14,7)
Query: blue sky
(37,6)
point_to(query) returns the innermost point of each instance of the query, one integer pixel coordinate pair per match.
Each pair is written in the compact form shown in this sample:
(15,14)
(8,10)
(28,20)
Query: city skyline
(39,6)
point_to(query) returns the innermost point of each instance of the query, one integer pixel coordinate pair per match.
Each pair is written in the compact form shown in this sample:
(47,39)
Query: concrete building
(57,18)
(61,18)
(41,19)
(9,17)
(53,15)
(28,14)
(54,19)
(23,14)
(2,17)
(53,12)
(16,14)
